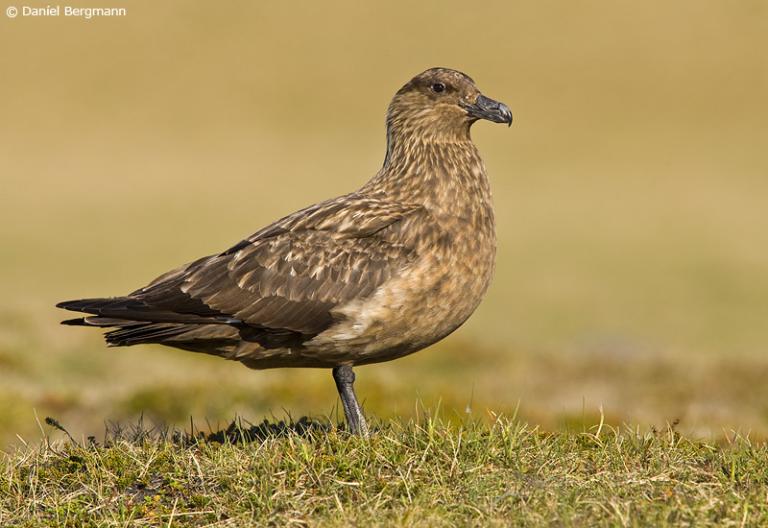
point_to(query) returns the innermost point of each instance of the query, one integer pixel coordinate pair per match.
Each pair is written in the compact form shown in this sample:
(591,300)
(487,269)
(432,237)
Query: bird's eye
(438,87)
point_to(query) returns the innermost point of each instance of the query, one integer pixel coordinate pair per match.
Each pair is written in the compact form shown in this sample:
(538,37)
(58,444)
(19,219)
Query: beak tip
(506,114)
(486,108)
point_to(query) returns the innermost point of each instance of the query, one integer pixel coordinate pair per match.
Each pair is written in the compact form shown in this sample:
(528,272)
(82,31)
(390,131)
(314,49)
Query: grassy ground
(429,473)
(630,200)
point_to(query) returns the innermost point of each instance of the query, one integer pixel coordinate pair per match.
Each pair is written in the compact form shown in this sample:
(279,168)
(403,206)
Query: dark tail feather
(122,309)
(128,333)
(100,306)
(144,333)
(80,321)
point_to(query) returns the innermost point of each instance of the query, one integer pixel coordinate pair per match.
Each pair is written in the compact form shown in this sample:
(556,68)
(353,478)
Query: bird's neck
(445,174)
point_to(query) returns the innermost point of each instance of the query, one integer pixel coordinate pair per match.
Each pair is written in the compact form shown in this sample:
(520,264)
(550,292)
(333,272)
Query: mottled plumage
(369,276)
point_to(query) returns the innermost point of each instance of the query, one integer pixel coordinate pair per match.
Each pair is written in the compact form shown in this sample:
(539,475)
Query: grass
(423,473)
(629,195)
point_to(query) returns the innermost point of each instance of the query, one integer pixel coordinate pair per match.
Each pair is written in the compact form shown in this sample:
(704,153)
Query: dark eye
(438,87)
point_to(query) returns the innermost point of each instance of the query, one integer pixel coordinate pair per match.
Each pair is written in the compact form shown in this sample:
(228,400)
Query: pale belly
(406,314)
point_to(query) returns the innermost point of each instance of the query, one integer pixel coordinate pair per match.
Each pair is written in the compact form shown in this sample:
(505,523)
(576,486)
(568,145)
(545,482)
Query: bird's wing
(290,275)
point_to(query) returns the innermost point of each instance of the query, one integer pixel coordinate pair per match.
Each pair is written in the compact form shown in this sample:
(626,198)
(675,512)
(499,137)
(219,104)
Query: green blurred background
(631,195)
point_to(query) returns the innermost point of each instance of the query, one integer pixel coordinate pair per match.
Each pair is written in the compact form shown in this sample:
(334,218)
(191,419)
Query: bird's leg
(345,380)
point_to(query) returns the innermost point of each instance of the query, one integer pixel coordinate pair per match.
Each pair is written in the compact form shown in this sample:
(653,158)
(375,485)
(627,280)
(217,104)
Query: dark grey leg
(345,380)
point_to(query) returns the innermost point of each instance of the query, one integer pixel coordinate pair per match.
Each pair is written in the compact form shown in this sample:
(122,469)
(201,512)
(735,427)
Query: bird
(366,277)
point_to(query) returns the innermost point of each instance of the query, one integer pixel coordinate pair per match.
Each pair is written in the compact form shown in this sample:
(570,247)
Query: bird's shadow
(239,431)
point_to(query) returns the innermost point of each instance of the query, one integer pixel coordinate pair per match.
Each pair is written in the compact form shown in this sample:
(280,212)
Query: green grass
(425,473)
(629,194)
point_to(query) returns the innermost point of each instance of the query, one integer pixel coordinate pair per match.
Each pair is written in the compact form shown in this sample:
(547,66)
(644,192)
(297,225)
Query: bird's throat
(447,177)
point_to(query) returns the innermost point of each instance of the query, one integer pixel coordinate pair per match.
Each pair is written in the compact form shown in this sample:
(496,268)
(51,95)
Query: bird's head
(442,103)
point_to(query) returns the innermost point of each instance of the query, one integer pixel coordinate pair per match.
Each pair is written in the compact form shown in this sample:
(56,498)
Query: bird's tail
(134,321)
(133,309)
(117,306)
(117,313)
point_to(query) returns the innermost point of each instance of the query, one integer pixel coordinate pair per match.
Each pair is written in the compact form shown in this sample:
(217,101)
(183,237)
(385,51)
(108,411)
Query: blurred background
(631,195)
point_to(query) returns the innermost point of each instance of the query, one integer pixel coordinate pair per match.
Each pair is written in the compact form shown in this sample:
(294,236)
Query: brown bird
(366,277)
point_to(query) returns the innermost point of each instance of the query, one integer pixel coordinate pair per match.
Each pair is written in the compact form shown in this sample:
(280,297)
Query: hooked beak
(486,108)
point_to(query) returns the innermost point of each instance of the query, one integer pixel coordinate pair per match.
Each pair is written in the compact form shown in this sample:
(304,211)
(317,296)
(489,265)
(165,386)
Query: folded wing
(276,288)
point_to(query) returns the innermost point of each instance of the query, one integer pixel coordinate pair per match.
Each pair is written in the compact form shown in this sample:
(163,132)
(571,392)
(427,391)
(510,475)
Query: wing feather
(289,276)
(286,279)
